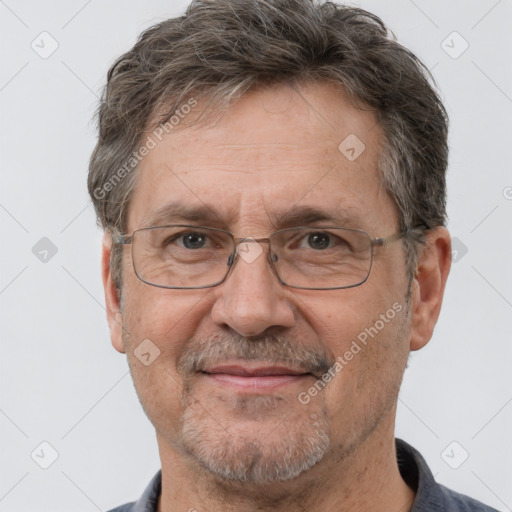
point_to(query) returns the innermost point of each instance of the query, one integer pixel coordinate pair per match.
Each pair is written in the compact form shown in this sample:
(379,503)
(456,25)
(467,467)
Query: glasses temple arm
(122,239)
(389,239)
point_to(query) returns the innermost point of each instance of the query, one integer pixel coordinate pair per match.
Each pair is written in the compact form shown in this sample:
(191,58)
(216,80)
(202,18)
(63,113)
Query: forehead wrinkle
(256,145)
(177,212)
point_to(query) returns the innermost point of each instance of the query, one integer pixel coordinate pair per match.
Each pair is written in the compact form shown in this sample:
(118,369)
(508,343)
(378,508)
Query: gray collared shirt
(430,496)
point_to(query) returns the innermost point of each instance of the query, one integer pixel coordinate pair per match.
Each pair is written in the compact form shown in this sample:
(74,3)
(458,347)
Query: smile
(256,379)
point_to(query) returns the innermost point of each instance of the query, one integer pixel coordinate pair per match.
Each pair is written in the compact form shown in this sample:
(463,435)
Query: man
(270,176)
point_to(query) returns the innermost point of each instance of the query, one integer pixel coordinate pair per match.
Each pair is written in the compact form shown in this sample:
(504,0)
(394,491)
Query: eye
(187,240)
(193,240)
(319,241)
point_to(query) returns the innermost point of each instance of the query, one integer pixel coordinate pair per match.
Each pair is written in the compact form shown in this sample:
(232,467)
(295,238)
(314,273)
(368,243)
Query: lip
(256,378)
(258,371)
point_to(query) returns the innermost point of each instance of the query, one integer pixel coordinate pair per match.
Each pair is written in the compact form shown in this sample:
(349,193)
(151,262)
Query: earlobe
(112,302)
(434,261)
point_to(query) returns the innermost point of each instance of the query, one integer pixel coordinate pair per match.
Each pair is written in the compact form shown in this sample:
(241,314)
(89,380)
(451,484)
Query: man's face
(235,388)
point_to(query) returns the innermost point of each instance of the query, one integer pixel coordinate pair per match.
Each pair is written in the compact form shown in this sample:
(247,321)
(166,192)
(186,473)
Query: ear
(434,262)
(114,316)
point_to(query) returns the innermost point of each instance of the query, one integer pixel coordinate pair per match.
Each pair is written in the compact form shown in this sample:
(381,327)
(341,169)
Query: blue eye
(193,240)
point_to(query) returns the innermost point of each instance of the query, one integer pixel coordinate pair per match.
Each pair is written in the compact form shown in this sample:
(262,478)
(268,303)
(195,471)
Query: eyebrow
(174,212)
(295,216)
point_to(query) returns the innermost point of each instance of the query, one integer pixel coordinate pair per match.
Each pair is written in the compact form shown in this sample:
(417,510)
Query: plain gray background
(61,381)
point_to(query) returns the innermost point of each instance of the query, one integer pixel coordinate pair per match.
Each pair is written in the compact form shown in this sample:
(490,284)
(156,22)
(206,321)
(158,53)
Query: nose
(252,299)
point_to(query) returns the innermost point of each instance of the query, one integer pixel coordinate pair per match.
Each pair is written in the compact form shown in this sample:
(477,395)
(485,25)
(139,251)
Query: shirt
(430,496)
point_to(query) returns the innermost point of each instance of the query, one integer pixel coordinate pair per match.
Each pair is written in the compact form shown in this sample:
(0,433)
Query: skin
(274,149)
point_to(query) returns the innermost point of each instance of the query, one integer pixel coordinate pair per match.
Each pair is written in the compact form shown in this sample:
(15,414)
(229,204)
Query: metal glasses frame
(122,239)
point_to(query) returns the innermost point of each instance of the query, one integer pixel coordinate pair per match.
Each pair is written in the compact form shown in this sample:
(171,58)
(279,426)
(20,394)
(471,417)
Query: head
(247,111)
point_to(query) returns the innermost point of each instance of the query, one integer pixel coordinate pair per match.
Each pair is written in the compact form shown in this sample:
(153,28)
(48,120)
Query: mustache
(276,349)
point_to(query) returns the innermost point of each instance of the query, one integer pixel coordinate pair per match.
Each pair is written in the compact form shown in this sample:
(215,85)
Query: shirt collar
(148,502)
(412,466)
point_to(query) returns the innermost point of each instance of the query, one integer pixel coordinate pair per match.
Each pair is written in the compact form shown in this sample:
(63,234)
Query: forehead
(275,150)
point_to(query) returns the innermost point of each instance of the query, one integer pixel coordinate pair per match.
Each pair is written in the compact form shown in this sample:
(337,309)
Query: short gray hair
(221,49)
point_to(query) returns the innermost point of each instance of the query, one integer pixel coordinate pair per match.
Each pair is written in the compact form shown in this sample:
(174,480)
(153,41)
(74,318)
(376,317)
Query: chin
(272,449)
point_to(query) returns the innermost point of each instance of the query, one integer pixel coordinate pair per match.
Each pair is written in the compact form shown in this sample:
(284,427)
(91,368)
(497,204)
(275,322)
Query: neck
(366,480)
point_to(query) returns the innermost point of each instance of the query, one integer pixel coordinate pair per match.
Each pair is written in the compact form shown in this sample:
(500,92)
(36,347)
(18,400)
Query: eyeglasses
(310,258)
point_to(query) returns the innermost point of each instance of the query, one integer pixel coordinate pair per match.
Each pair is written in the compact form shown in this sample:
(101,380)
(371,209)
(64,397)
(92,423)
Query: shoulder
(430,495)
(461,503)
(127,507)
(148,502)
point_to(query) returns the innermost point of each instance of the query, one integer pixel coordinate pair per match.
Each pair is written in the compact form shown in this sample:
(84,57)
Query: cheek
(367,332)
(167,317)
(371,368)
(155,330)
(157,324)
(347,315)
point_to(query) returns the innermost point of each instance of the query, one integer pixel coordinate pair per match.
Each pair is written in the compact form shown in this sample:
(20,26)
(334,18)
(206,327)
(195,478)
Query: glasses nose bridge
(239,241)
(249,239)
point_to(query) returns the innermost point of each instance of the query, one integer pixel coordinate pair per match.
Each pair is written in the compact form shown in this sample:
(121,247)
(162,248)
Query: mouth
(247,378)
